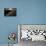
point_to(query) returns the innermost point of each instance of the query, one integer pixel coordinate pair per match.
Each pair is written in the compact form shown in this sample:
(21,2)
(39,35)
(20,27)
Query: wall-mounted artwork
(9,11)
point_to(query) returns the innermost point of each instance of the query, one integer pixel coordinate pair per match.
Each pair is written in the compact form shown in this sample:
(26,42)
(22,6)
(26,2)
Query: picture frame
(10,11)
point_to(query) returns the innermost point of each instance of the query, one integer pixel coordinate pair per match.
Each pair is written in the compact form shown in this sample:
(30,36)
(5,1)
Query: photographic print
(9,11)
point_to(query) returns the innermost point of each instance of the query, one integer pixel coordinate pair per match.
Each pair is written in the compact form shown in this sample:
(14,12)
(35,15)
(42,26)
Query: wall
(28,12)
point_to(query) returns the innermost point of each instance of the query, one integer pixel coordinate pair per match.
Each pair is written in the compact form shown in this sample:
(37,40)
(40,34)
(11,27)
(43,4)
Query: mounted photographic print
(9,11)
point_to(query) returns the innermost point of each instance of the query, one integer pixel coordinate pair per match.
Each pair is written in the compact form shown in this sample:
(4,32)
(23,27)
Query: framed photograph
(10,12)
